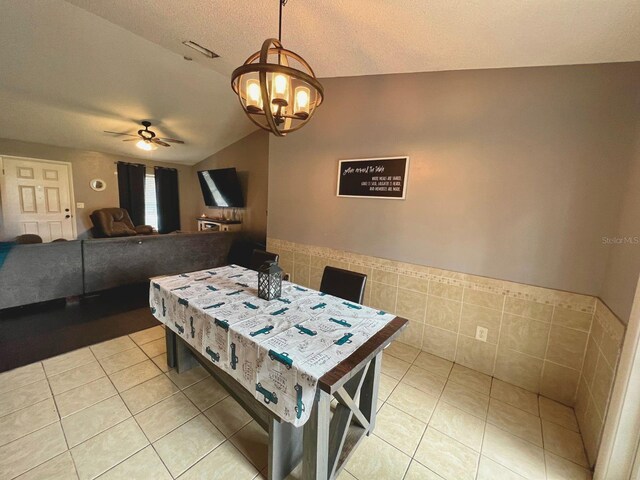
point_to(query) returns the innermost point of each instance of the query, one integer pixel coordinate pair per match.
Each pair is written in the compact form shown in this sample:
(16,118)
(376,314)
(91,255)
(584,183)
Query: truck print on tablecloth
(346,338)
(282,357)
(215,305)
(344,323)
(306,331)
(299,403)
(222,324)
(269,397)
(234,358)
(262,331)
(247,352)
(279,349)
(215,356)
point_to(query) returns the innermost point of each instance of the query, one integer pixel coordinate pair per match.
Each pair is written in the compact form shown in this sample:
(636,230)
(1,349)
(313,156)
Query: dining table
(306,365)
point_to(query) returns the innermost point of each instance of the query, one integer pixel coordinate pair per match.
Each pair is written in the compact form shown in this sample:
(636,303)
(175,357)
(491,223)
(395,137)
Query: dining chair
(345,284)
(258,257)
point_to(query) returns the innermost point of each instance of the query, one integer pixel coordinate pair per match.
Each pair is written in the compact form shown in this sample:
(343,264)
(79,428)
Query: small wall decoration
(373,177)
(98,184)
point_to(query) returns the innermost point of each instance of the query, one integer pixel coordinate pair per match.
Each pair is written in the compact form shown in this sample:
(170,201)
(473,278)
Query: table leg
(316,439)
(184,359)
(369,392)
(285,448)
(170,339)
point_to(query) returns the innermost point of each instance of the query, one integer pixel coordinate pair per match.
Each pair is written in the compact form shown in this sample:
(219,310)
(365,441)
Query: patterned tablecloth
(277,350)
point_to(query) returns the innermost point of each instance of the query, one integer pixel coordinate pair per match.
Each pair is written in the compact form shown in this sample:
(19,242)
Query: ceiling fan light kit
(277,88)
(146,139)
(146,145)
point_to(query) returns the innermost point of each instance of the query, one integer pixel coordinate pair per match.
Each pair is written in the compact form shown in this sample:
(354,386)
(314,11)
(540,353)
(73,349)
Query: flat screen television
(221,188)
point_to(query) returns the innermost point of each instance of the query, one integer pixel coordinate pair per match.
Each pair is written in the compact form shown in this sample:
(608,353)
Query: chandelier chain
(282,4)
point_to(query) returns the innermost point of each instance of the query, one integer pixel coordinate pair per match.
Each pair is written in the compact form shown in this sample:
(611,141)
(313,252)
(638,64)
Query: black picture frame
(379,178)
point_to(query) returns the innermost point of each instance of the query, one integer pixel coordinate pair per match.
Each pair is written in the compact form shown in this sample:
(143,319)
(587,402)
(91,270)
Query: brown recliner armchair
(116,222)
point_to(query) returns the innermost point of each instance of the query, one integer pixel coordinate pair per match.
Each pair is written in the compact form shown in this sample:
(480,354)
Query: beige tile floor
(114,411)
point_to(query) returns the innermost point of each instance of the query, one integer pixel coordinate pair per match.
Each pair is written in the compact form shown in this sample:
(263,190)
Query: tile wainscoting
(562,345)
(597,374)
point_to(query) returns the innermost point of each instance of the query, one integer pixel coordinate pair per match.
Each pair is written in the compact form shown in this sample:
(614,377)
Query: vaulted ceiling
(66,75)
(71,69)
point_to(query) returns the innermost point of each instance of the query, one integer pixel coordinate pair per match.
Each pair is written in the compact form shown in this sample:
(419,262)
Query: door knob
(66,209)
(67,216)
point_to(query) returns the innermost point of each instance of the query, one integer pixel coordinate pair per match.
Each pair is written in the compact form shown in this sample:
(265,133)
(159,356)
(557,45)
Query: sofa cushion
(40,272)
(110,262)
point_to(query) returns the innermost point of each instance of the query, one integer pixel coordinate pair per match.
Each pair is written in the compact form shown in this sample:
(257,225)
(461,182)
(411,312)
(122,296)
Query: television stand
(206,223)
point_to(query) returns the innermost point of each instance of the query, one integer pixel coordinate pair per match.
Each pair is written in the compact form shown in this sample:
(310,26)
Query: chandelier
(276,87)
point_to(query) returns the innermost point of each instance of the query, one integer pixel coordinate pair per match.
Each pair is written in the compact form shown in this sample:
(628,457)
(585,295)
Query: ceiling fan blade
(129,139)
(159,142)
(120,133)
(171,140)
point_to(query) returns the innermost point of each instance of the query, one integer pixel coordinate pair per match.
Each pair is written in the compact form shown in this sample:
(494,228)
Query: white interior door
(37,198)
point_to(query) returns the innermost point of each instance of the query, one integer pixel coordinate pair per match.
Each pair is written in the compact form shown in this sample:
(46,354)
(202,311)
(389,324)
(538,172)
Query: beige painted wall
(87,165)
(250,157)
(623,268)
(515,173)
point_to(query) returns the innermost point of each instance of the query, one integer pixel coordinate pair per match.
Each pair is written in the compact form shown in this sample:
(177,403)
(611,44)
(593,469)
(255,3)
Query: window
(150,202)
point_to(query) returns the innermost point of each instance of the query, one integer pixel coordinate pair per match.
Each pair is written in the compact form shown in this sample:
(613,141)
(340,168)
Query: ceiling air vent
(199,48)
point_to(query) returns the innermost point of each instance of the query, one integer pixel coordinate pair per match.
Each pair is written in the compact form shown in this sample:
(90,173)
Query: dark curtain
(131,190)
(167,199)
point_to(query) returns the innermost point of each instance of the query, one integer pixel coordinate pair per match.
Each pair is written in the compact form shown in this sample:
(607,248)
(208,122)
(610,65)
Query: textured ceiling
(366,37)
(68,73)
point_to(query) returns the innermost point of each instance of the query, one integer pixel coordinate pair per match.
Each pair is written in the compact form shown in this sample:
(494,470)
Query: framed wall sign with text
(373,177)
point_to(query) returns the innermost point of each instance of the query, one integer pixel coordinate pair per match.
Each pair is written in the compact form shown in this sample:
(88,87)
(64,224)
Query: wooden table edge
(338,375)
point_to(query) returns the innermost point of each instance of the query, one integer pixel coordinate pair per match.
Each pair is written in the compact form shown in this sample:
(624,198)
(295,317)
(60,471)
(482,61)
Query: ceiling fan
(147,139)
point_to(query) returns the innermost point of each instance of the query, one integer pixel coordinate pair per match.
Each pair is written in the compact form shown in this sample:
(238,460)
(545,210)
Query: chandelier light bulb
(280,91)
(301,103)
(254,95)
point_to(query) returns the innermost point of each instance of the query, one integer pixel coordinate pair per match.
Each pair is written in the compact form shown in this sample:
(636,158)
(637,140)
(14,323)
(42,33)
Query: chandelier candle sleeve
(254,96)
(301,103)
(280,89)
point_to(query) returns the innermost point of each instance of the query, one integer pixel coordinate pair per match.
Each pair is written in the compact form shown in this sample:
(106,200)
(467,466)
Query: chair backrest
(112,222)
(343,283)
(258,257)
(28,238)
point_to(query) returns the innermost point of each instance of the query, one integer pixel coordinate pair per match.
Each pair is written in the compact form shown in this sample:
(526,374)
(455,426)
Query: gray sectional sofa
(40,272)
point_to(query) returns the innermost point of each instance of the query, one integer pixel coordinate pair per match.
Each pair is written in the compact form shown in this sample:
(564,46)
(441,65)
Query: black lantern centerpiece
(269,281)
